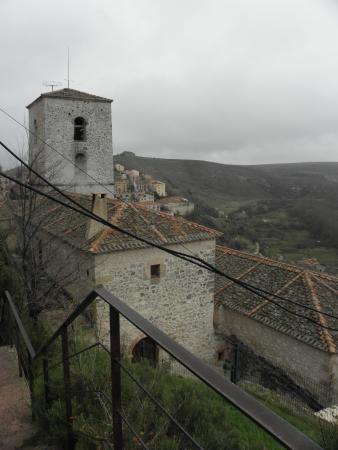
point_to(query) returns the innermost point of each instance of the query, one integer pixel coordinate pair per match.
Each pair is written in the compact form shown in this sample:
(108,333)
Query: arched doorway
(145,349)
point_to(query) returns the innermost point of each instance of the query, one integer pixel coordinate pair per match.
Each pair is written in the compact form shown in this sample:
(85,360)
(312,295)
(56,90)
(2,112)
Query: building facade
(159,188)
(173,294)
(71,144)
(179,206)
(301,347)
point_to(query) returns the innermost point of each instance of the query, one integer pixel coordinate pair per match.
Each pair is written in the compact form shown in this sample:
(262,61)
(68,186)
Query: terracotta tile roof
(157,227)
(306,286)
(72,94)
(172,200)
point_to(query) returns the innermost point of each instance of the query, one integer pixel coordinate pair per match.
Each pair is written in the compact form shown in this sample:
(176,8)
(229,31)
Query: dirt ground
(15,414)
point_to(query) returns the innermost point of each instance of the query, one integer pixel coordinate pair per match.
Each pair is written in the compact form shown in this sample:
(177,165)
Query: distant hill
(215,183)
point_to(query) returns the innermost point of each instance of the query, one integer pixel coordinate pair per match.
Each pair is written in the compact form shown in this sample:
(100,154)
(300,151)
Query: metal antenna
(68,70)
(52,84)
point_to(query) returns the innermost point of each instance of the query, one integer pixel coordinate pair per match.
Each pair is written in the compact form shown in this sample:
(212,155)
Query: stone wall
(71,268)
(309,366)
(53,118)
(180,302)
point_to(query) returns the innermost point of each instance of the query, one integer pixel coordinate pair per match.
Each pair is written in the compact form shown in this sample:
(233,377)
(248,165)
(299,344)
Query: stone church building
(174,294)
(183,300)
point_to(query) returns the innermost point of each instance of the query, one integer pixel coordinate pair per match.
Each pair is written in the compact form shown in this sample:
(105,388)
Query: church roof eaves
(71,94)
(158,228)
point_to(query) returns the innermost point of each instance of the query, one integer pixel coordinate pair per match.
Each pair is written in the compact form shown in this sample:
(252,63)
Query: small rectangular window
(155,271)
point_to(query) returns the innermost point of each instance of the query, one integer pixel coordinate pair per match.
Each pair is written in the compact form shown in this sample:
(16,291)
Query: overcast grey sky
(233,81)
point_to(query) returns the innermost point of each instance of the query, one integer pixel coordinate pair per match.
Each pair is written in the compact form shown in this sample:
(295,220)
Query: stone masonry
(52,118)
(180,303)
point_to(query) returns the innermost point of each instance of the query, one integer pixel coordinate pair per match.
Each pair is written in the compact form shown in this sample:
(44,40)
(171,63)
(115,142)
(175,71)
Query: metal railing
(278,428)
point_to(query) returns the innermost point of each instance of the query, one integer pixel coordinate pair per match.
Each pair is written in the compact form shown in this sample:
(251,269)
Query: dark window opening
(155,271)
(87,273)
(80,167)
(79,129)
(220,355)
(81,161)
(146,349)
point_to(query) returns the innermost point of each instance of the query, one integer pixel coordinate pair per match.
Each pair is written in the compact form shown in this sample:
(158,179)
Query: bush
(211,421)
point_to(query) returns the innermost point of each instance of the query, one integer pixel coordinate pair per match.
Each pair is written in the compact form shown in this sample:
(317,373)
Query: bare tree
(43,273)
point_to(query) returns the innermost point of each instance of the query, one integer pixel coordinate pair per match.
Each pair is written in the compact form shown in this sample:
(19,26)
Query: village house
(159,188)
(300,347)
(133,173)
(119,168)
(173,294)
(121,186)
(178,206)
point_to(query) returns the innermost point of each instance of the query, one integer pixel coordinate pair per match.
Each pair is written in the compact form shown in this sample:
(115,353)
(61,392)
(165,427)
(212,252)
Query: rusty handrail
(277,427)
(20,325)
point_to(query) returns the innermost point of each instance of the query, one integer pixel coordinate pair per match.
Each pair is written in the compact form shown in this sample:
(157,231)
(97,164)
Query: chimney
(99,207)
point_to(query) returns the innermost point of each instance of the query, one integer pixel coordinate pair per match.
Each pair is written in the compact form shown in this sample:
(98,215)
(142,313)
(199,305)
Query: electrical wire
(194,257)
(55,150)
(207,265)
(73,163)
(196,261)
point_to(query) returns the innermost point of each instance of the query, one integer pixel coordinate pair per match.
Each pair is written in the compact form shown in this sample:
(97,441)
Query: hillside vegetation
(289,210)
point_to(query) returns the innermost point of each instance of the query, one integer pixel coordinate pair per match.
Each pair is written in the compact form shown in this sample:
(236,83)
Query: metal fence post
(46,380)
(18,355)
(115,351)
(67,389)
(235,366)
(31,382)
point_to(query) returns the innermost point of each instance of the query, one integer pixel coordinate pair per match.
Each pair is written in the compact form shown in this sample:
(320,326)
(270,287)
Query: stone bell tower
(76,127)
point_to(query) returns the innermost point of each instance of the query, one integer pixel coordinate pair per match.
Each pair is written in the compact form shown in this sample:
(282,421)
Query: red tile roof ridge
(327,286)
(95,245)
(273,262)
(120,208)
(79,225)
(325,334)
(179,219)
(270,297)
(240,276)
(146,221)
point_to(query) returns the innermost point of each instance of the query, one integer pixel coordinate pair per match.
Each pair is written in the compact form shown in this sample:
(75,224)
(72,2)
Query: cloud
(242,82)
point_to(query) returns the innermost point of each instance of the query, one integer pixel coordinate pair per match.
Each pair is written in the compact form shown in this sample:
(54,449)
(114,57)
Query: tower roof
(71,94)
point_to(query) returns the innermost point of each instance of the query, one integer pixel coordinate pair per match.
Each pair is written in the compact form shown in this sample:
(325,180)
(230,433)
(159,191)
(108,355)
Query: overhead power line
(194,260)
(198,261)
(192,256)
(33,133)
(207,265)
